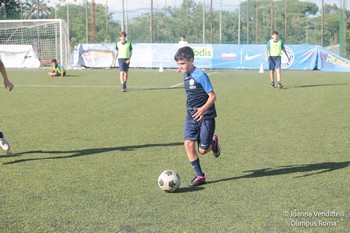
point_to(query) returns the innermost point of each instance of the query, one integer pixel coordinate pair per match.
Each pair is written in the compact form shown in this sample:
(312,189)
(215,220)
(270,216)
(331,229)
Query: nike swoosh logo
(248,58)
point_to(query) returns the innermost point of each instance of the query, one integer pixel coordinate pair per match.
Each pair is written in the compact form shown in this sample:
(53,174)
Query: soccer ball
(169,181)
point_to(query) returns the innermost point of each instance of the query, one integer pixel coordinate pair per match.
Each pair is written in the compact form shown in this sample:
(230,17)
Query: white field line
(176,85)
(61,86)
(179,84)
(116,86)
(81,86)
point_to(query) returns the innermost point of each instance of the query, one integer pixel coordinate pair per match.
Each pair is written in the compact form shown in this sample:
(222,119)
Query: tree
(77,23)
(257,19)
(10,9)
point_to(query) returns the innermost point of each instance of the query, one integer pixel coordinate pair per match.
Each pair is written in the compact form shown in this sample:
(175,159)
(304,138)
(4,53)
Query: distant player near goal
(8,85)
(123,54)
(182,42)
(273,54)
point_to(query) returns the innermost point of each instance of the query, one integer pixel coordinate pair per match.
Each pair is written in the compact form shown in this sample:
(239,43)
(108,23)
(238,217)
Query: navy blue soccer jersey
(197,86)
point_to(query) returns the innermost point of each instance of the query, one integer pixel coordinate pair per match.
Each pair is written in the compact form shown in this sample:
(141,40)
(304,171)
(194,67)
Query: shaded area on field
(82,152)
(152,88)
(309,169)
(188,189)
(320,85)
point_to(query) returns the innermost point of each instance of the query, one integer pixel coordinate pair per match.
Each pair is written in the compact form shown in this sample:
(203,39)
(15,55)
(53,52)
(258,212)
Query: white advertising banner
(143,55)
(214,56)
(19,56)
(93,55)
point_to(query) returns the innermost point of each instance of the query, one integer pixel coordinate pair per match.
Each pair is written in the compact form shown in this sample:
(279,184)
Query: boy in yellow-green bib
(273,54)
(123,54)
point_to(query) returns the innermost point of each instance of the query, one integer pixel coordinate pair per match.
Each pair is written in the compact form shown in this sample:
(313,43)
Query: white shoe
(4,144)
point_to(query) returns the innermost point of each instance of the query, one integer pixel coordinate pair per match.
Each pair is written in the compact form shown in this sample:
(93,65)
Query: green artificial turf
(86,158)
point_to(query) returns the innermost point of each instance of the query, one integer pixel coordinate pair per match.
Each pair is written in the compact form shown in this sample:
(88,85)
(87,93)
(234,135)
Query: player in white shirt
(182,42)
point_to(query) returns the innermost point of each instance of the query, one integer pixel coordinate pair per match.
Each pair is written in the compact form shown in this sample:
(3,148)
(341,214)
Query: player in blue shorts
(201,113)
(273,54)
(8,85)
(123,54)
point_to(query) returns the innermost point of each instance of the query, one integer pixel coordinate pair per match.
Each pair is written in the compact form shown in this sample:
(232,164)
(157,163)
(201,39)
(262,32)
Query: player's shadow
(307,169)
(189,189)
(154,89)
(79,153)
(320,85)
(72,75)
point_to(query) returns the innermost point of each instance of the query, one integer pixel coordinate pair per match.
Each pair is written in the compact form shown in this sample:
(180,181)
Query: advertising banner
(213,56)
(93,55)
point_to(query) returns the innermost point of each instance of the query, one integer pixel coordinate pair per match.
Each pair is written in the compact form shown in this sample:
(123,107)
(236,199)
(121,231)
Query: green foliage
(86,157)
(10,9)
(77,23)
(301,24)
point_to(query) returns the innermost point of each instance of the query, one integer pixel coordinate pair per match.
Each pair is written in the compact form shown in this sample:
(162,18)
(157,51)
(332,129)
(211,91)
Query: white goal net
(23,41)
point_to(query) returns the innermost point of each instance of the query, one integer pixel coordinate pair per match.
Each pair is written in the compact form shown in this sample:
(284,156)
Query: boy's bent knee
(203,151)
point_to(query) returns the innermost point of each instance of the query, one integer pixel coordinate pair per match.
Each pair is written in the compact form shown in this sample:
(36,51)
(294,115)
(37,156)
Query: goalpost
(49,38)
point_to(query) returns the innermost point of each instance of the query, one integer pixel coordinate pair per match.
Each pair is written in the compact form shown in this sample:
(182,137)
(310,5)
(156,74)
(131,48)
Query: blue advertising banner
(213,56)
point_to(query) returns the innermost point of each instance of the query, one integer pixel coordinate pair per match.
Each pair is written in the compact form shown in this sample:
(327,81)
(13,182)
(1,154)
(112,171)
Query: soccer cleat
(272,85)
(197,181)
(216,148)
(280,86)
(124,87)
(4,144)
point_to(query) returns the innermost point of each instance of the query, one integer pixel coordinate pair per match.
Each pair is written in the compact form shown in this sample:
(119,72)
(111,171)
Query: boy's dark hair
(122,33)
(184,53)
(54,60)
(274,32)
(182,35)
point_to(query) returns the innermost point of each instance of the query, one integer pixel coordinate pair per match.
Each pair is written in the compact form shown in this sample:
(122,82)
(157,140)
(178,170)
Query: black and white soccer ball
(169,181)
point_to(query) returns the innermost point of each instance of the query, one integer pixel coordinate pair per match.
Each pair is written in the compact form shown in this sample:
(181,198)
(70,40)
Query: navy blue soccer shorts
(123,66)
(59,74)
(200,131)
(275,62)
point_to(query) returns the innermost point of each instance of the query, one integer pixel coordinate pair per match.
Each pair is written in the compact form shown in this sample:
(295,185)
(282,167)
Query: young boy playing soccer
(57,69)
(8,85)
(124,52)
(201,113)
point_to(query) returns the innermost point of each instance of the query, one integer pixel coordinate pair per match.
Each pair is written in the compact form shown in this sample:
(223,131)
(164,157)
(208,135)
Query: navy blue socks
(197,167)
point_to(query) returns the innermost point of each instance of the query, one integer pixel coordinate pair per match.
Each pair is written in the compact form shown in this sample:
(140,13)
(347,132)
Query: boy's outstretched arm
(8,85)
(62,72)
(115,58)
(285,52)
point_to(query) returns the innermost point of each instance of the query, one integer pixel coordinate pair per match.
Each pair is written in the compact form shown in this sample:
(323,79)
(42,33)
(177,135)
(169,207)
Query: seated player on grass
(57,69)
